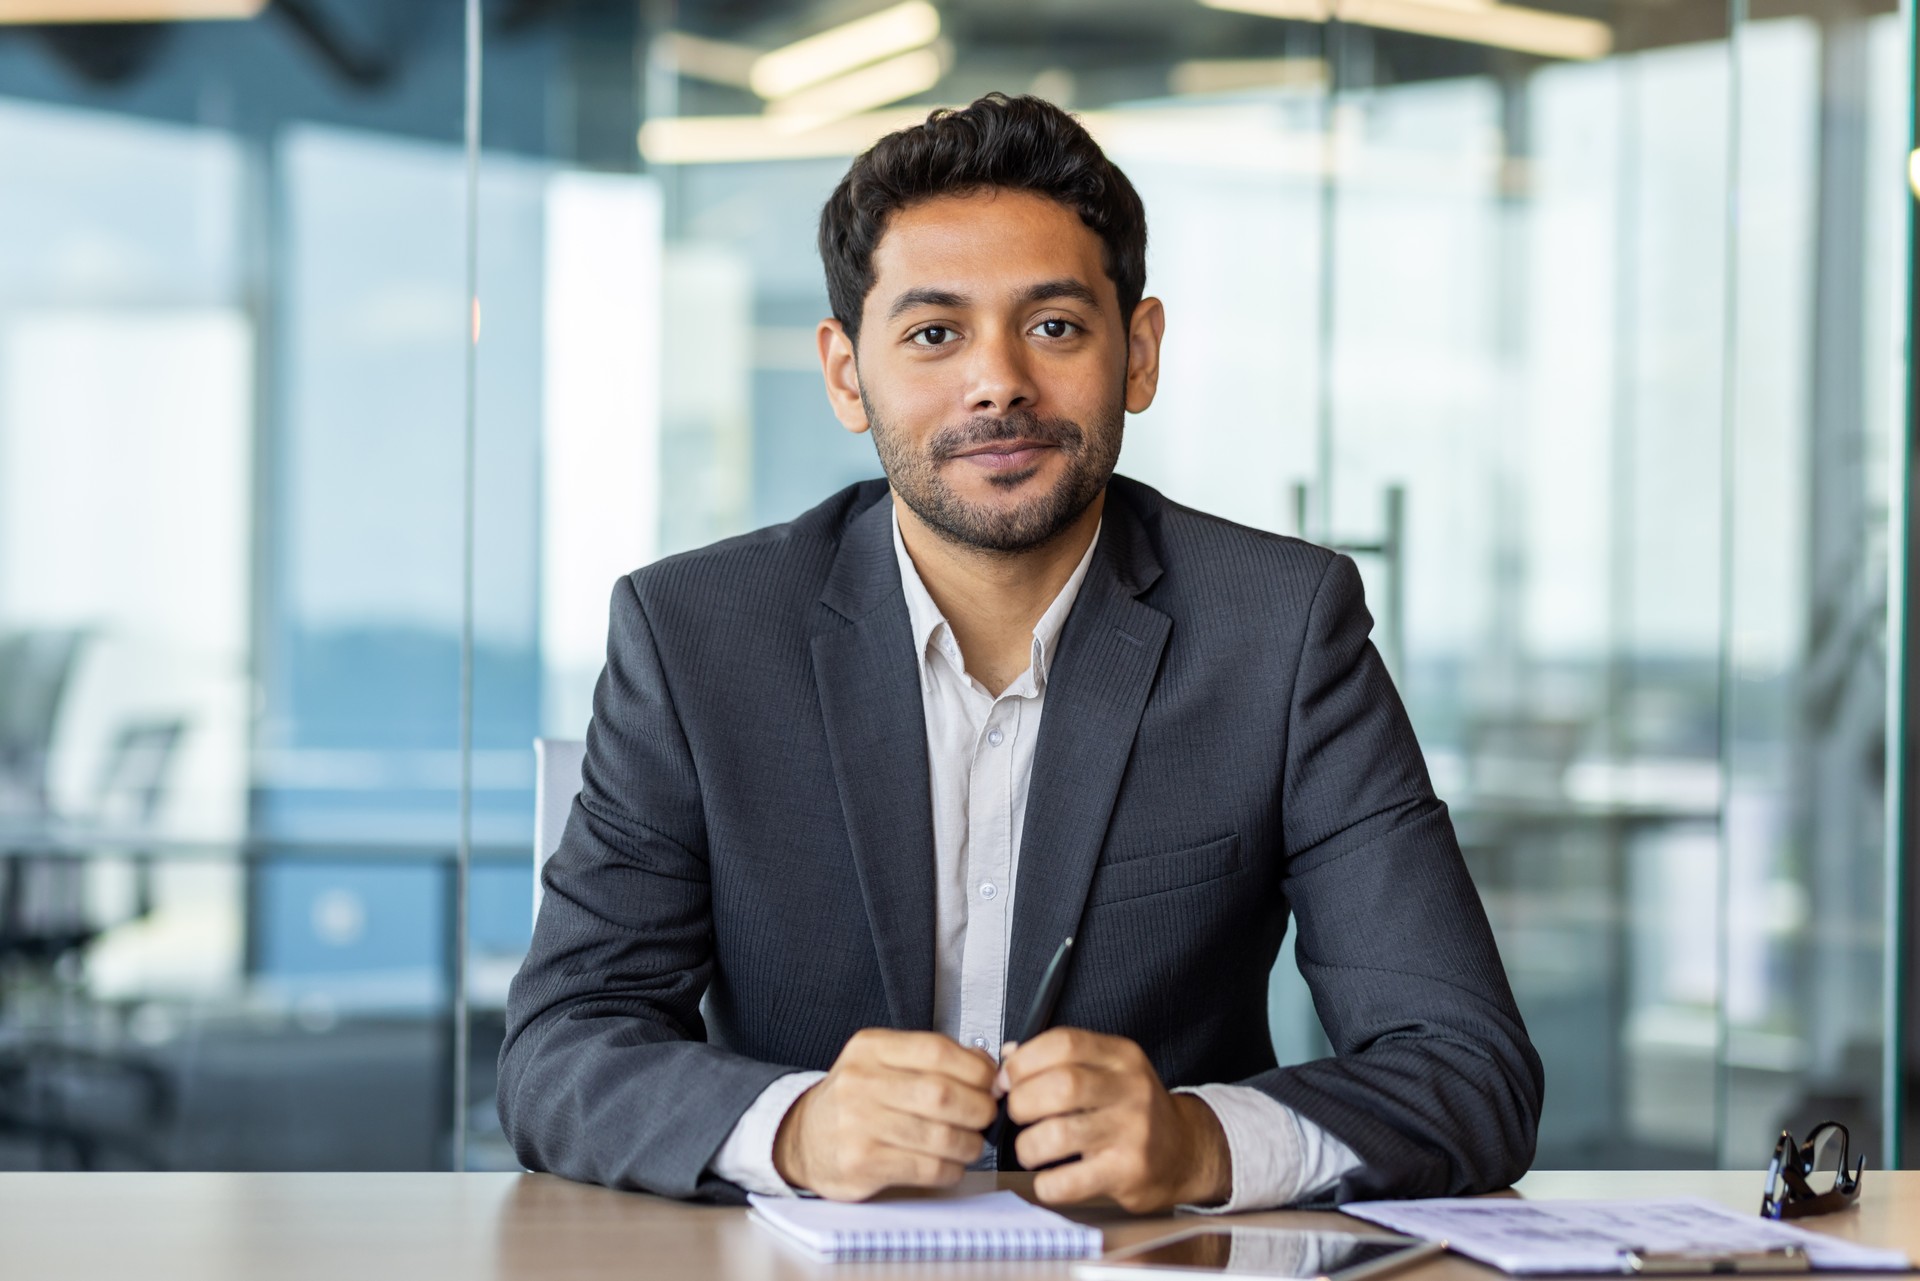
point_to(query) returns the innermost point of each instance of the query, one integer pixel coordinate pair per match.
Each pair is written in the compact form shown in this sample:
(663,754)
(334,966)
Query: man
(851,780)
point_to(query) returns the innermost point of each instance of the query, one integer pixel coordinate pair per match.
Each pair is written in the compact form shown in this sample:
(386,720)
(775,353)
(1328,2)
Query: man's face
(993,367)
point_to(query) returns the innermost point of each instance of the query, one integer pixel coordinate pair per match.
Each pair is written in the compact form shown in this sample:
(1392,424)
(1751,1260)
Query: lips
(1004,455)
(1019,445)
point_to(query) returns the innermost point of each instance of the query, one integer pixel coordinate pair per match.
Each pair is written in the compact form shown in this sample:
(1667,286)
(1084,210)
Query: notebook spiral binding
(949,1244)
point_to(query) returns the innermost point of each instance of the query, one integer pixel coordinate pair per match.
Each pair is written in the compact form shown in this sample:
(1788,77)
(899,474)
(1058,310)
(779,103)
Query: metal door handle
(1390,548)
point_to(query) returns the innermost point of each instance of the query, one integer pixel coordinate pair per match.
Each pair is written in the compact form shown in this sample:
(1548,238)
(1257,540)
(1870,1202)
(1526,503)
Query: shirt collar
(931,631)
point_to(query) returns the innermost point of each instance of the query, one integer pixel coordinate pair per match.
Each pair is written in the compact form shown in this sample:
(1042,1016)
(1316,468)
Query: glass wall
(1581,326)
(231,350)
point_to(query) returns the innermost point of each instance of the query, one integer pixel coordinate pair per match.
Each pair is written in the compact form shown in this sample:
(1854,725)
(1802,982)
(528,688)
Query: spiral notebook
(996,1225)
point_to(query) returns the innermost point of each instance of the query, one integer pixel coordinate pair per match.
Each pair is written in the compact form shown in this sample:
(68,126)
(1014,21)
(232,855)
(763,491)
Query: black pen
(1039,1015)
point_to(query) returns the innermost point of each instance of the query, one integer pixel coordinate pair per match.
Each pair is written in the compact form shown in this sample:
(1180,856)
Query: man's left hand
(1081,1094)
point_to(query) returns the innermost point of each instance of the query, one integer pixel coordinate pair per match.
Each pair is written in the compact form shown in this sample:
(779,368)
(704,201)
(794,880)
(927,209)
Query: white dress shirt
(980,752)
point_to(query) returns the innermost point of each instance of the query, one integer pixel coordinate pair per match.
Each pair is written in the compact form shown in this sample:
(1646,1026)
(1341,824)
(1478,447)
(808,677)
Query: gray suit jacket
(1221,747)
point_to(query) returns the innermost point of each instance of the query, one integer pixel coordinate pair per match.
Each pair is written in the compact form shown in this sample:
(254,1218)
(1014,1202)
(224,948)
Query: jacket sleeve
(1433,1083)
(606,1075)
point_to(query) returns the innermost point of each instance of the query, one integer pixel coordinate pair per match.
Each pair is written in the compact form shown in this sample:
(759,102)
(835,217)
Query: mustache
(1019,425)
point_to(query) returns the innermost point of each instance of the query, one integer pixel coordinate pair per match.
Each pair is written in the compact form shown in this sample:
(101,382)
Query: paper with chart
(1588,1236)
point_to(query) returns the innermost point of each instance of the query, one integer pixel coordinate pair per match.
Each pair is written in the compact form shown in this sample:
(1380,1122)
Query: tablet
(1284,1253)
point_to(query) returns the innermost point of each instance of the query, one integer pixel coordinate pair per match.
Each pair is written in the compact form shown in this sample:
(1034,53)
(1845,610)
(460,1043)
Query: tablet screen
(1272,1252)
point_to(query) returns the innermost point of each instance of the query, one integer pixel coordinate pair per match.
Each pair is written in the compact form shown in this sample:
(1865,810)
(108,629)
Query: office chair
(36,668)
(556,782)
(44,925)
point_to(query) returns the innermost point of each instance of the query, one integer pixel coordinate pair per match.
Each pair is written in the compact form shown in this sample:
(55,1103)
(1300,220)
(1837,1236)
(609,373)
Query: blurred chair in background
(46,925)
(36,669)
(556,783)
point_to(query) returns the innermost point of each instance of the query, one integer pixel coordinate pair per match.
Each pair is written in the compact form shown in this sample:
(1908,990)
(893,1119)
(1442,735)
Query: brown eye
(1056,328)
(932,335)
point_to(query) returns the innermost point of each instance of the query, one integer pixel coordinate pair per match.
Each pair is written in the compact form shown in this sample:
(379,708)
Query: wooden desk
(358,1227)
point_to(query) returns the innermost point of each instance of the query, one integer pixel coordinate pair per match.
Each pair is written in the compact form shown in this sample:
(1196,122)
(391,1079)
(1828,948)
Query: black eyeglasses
(1790,1193)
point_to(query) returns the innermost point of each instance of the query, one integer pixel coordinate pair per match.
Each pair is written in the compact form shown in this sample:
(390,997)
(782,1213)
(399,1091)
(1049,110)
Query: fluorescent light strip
(793,67)
(1237,75)
(1298,10)
(717,61)
(706,140)
(1504,26)
(861,90)
(23,12)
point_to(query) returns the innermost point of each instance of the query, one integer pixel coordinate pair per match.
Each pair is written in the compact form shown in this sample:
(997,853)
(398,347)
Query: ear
(1143,353)
(842,377)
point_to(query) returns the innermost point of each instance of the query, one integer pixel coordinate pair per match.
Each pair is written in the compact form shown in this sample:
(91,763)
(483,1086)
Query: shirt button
(995,737)
(979,1042)
(988,889)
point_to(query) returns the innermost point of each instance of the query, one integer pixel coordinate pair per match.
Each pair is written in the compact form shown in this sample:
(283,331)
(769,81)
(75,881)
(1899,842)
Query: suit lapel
(876,733)
(1097,688)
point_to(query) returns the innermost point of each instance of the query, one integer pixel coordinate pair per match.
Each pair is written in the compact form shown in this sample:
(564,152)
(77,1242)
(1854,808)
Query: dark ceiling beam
(355,66)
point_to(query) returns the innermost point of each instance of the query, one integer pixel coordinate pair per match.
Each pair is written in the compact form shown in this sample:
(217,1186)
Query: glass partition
(231,327)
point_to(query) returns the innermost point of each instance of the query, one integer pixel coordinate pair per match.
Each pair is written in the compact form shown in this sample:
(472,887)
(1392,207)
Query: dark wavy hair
(996,142)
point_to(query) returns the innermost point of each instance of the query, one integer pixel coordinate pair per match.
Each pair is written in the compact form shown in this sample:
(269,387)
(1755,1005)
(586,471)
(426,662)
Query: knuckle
(951,1142)
(1026,1146)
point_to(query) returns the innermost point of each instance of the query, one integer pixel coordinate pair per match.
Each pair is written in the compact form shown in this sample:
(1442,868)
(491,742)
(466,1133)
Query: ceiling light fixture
(794,67)
(717,61)
(1239,75)
(24,12)
(857,91)
(709,140)
(1503,26)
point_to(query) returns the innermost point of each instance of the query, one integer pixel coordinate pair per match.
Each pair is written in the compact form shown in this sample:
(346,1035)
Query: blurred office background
(1582,323)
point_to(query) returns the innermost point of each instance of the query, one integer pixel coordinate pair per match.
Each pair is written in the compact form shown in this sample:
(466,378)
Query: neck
(993,600)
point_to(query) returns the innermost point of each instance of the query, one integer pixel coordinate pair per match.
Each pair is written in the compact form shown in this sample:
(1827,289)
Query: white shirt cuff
(1277,1156)
(746,1158)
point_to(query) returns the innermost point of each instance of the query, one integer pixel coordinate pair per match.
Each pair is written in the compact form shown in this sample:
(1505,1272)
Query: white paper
(1588,1236)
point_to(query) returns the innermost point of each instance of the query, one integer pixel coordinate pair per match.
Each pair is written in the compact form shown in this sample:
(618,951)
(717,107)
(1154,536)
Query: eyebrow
(1044,291)
(924,298)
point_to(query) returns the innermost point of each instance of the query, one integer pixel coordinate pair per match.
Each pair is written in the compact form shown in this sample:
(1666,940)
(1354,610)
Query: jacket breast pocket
(1158,873)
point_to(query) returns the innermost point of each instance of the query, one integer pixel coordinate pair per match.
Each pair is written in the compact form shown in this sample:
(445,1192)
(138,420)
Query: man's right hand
(898,1109)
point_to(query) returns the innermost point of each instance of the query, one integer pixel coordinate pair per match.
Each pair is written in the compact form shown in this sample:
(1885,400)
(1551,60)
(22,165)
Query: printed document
(1589,1236)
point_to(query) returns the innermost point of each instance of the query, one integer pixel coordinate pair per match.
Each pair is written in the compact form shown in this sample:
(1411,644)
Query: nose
(999,379)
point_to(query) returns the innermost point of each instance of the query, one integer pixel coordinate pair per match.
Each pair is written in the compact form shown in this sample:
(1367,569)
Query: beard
(1090,454)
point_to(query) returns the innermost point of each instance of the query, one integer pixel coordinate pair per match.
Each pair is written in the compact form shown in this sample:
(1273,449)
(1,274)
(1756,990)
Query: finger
(880,1167)
(1059,1046)
(932,1052)
(932,1097)
(1073,1088)
(899,1168)
(917,1134)
(1060,1137)
(1096,1175)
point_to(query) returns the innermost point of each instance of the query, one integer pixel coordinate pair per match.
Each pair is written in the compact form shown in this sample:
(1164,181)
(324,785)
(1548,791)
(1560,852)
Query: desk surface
(210,1227)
